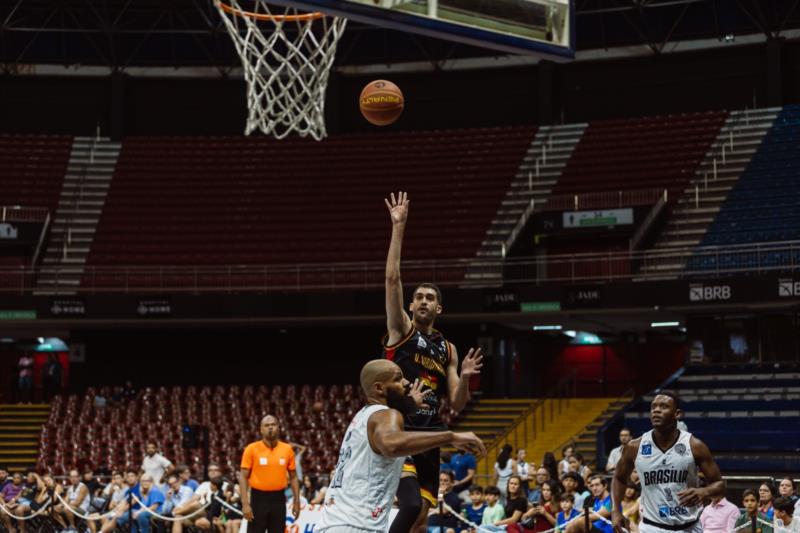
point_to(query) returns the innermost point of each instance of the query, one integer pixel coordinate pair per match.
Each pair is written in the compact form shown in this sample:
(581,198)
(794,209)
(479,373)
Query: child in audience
(493,510)
(567,513)
(750,504)
(474,512)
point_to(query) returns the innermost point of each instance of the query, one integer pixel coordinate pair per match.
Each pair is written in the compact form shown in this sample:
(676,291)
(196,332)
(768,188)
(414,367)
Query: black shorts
(426,466)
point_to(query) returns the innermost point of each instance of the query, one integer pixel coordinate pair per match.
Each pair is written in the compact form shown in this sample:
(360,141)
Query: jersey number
(344,456)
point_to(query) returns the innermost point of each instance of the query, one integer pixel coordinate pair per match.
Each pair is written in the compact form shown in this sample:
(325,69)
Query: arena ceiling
(120,34)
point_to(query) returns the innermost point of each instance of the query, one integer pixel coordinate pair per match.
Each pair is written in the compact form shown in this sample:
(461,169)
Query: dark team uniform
(424,357)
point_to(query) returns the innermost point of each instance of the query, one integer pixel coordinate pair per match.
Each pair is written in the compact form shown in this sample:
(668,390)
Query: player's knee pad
(409,503)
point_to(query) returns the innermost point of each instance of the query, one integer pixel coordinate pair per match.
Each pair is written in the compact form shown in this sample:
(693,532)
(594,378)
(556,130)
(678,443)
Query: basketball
(317,407)
(381,102)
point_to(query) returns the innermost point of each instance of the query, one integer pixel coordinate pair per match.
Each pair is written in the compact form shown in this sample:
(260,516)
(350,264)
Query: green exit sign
(540,307)
(18,315)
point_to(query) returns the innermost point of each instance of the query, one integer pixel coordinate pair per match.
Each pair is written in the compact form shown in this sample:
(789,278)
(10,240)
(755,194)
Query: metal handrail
(588,267)
(648,221)
(22,213)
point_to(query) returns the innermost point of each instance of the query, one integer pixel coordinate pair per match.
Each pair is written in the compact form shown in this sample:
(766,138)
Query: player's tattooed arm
(715,485)
(398,324)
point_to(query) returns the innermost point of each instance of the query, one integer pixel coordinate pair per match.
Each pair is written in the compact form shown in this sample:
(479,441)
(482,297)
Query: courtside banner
(307,522)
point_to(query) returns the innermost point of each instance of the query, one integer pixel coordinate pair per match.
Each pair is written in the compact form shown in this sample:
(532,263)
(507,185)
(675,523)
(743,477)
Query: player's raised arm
(715,485)
(397,322)
(622,473)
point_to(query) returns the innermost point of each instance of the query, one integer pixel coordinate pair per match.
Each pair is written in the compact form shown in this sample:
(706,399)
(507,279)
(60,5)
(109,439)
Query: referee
(267,467)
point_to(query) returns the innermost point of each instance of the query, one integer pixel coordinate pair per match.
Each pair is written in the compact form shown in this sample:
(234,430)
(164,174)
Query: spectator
(113,494)
(750,504)
(574,484)
(203,495)
(152,499)
(566,453)
(324,488)
(616,453)
(40,495)
(26,498)
(464,466)
(92,483)
(445,522)
(523,470)
(568,512)
(10,494)
(516,503)
(109,523)
(444,462)
(551,465)
(784,521)
(299,450)
(601,508)
(504,468)
(474,511)
(212,519)
(576,465)
(51,377)
(177,495)
(233,520)
(156,465)
(719,516)
(309,490)
(493,512)
(4,480)
(542,476)
(766,495)
(542,516)
(786,489)
(630,506)
(25,381)
(185,475)
(77,497)
(128,392)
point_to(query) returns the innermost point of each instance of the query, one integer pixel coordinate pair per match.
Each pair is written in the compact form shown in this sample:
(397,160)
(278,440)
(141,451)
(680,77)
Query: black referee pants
(269,511)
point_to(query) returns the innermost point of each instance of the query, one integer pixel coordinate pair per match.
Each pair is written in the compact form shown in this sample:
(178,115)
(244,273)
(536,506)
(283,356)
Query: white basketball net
(287,57)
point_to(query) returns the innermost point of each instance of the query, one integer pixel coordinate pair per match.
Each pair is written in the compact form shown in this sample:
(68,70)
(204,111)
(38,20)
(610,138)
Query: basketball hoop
(287,57)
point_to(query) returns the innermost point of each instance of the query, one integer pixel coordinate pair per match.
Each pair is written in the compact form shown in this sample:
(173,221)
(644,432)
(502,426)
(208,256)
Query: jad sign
(602,218)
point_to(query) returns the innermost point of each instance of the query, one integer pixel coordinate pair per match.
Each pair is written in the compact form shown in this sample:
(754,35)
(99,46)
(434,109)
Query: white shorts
(342,529)
(697,527)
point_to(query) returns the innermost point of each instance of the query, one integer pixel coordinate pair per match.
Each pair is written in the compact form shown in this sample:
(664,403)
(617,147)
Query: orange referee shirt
(269,467)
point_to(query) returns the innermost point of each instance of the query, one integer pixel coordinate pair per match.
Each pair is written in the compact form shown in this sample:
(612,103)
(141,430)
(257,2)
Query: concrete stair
(83,194)
(20,427)
(488,418)
(701,200)
(585,441)
(539,171)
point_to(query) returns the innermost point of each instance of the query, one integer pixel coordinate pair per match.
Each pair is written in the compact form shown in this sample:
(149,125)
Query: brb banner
(307,522)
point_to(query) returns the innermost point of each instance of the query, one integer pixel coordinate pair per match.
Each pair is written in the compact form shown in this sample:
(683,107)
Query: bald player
(373,451)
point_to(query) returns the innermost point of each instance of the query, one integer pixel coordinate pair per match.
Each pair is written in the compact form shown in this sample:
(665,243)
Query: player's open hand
(398,207)
(419,395)
(691,497)
(472,363)
(469,442)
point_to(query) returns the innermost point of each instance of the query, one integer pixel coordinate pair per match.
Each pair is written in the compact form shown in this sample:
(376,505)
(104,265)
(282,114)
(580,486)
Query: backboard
(543,28)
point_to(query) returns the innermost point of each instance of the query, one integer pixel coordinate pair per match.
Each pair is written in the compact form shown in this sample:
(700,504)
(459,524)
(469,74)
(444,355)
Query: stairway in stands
(725,161)
(585,440)
(83,195)
(489,417)
(539,171)
(20,426)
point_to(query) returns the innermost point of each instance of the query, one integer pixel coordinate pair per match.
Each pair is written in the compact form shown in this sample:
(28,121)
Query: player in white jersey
(373,450)
(667,460)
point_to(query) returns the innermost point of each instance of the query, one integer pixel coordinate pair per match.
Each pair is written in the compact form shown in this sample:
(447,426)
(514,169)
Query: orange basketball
(381,102)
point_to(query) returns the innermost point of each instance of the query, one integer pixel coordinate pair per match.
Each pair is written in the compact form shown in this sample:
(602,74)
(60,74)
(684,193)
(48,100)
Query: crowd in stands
(524,498)
(156,496)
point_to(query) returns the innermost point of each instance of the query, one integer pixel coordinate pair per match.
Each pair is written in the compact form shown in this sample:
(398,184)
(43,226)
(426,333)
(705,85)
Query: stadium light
(671,324)
(548,327)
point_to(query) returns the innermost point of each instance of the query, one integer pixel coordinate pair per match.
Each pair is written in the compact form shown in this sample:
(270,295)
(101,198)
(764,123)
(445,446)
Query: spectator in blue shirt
(185,475)
(177,495)
(464,466)
(151,497)
(601,508)
(568,512)
(474,512)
